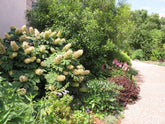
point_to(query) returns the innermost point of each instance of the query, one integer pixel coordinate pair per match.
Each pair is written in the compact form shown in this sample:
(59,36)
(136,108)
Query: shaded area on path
(150,108)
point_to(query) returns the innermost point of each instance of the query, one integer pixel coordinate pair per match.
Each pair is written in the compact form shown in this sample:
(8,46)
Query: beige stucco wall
(12,12)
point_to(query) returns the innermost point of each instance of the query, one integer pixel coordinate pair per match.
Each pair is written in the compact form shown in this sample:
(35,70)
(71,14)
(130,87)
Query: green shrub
(37,61)
(132,71)
(156,54)
(153,58)
(123,57)
(138,54)
(164,46)
(102,97)
(81,117)
(88,25)
(54,109)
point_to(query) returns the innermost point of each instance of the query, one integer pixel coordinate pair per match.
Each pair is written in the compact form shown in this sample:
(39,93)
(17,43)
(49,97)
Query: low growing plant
(13,107)
(117,68)
(110,119)
(102,97)
(130,90)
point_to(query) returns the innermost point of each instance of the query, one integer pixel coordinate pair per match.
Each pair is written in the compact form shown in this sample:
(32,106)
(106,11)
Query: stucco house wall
(12,12)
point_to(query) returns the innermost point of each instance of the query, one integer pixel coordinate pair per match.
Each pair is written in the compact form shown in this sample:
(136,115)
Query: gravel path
(150,108)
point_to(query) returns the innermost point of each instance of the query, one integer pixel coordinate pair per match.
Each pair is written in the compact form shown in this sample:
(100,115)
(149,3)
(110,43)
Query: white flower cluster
(68,54)
(25,45)
(18,31)
(10,72)
(42,49)
(7,36)
(78,79)
(2,49)
(52,50)
(70,67)
(22,38)
(61,77)
(56,41)
(13,55)
(65,72)
(29,60)
(14,46)
(77,54)
(21,91)
(66,47)
(23,79)
(31,30)
(29,50)
(80,72)
(39,72)
(58,59)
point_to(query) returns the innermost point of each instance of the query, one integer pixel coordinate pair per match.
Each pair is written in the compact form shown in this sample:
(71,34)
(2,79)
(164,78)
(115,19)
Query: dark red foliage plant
(130,89)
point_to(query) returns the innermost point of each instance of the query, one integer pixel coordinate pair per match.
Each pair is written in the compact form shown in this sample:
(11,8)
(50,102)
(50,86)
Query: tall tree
(147,34)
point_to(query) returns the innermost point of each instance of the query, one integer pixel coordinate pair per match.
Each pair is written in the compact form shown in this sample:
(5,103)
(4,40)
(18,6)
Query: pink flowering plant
(121,65)
(116,68)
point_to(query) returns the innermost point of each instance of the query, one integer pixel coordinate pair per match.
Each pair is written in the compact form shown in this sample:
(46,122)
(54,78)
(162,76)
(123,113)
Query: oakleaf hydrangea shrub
(35,61)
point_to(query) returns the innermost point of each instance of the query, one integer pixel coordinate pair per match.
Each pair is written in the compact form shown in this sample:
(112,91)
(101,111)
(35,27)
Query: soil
(150,108)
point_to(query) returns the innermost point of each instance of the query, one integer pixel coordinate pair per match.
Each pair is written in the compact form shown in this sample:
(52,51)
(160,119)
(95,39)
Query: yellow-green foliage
(124,57)
(33,60)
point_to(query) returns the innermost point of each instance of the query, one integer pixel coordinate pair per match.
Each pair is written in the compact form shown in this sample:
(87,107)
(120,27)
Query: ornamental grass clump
(32,59)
